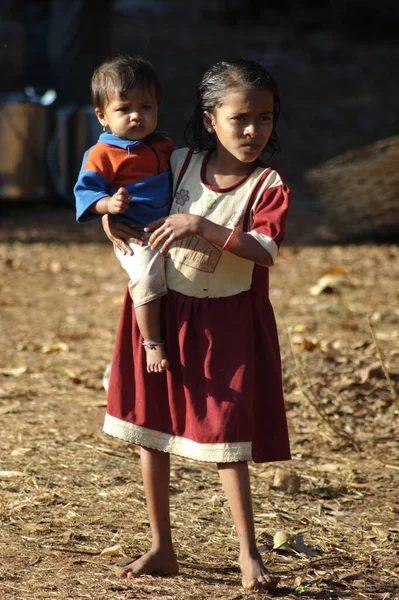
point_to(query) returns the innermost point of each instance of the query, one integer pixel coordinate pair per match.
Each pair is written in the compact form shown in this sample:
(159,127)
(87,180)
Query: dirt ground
(69,492)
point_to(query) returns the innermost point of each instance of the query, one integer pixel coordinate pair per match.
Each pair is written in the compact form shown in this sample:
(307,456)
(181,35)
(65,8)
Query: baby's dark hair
(215,83)
(121,74)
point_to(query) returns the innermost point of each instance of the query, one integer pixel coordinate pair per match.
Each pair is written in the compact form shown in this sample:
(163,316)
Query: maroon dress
(221,400)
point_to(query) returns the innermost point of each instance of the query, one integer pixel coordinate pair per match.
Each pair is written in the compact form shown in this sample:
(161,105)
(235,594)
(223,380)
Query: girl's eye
(147,106)
(123,109)
(239,118)
(266,118)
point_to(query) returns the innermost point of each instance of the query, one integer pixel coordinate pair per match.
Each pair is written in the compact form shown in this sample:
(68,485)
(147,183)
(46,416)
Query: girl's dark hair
(215,83)
(121,74)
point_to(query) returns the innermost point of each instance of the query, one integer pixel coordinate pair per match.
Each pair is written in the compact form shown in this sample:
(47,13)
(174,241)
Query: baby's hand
(119,202)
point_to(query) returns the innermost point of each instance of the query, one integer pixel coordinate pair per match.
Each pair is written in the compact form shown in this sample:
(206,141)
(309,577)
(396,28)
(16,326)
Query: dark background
(336,65)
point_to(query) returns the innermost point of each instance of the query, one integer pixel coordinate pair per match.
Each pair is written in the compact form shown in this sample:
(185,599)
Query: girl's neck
(222,173)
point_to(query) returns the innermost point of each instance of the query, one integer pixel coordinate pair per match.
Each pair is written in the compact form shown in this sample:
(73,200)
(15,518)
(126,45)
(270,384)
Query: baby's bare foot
(156,357)
(154,562)
(255,576)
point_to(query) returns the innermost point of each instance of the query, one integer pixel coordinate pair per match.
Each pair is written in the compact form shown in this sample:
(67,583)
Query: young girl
(221,399)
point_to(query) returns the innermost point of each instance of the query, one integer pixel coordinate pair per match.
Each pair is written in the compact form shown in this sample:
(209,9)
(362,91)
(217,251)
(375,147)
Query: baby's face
(132,117)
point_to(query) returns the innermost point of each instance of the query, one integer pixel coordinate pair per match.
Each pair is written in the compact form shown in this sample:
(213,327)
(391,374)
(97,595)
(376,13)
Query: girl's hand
(119,202)
(172,228)
(121,234)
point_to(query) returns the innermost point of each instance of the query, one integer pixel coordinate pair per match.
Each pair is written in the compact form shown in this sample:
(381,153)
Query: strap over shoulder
(181,168)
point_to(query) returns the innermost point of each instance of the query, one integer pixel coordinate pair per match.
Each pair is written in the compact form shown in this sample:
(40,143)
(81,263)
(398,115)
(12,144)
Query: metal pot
(24,134)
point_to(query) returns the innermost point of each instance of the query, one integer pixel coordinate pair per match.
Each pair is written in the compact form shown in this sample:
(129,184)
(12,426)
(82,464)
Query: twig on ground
(383,365)
(74,550)
(302,382)
(105,450)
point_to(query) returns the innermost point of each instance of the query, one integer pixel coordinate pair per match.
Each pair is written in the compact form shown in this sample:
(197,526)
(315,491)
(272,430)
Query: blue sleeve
(89,188)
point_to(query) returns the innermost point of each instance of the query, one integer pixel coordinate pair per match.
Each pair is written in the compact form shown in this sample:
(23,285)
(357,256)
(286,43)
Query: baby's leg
(149,321)
(161,558)
(146,269)
(236,484)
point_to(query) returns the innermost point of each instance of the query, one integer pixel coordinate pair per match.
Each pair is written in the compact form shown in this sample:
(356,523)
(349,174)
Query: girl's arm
(260,245)
(180,226)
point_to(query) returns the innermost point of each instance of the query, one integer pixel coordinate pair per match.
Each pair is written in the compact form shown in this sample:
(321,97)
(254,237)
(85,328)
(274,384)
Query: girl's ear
(208,121)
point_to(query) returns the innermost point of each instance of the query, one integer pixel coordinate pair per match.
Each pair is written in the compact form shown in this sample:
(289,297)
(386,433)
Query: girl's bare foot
(255,576)
(154,562)
(156,357)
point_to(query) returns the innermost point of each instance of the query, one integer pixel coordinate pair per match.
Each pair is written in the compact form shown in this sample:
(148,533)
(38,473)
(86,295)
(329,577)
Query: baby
(127,174)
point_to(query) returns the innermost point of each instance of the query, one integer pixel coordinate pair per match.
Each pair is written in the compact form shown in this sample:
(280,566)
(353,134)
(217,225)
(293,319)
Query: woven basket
(360,190)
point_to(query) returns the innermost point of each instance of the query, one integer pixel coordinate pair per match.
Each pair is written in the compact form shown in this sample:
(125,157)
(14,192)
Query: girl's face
(242,124)
(133,117)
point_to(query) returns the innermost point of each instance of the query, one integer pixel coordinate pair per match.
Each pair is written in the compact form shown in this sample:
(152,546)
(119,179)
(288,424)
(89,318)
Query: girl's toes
(264,582)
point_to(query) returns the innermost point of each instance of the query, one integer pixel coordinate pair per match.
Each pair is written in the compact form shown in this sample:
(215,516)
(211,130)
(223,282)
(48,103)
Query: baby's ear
(100,116)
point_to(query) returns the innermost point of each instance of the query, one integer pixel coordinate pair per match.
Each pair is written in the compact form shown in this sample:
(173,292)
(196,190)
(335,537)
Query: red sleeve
(164,147)
(169,146)
(270,213)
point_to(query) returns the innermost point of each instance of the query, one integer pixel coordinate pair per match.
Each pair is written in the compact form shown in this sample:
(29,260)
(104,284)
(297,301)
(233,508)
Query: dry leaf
(293,544)
(67,536)
(299,545)
(381,533)
(133,450)
(55,347)
(281,541)
(20,451)
(286,481)
(328,467)
(351,325)
(297,581)
(310,345)
(9,408)
(374,370)
(72,376)
(292,582)
(386,336)
(10,474)
(113,551)
(327,283)
(13,371)
(337,270)
(298,328)
(305,344)
(97,403)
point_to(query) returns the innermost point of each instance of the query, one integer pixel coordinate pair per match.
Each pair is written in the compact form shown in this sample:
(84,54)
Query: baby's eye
(147,106)
(122,109)
(239,118)
(266,118)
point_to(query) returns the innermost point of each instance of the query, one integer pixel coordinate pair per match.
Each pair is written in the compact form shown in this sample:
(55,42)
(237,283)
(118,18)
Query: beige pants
(146,270)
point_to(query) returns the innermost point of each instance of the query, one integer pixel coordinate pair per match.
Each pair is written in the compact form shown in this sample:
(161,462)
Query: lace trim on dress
(165,442)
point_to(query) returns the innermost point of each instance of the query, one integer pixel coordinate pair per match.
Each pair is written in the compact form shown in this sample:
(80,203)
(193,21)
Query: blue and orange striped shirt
(141,166)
